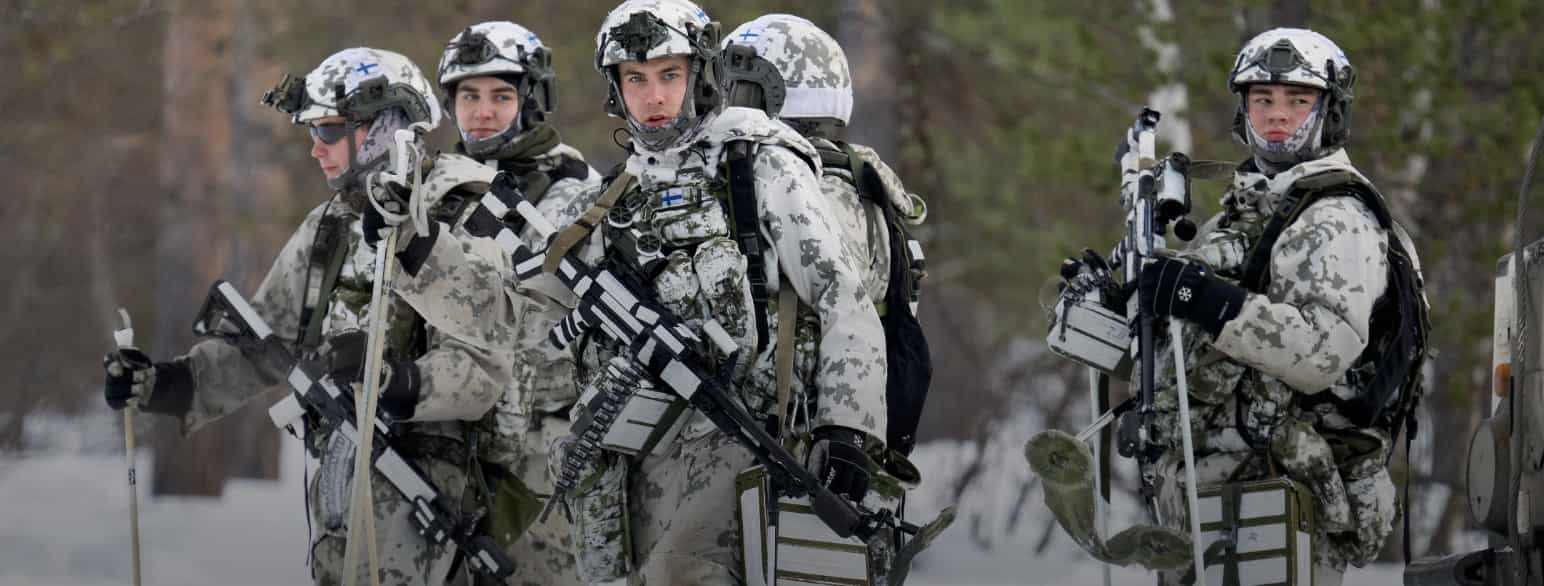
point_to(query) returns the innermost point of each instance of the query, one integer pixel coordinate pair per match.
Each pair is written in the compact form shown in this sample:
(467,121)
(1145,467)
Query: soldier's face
(1277,110)
(485,106)
(333,156)
(654,90)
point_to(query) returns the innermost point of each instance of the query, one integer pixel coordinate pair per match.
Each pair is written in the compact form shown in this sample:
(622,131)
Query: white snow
(64,521)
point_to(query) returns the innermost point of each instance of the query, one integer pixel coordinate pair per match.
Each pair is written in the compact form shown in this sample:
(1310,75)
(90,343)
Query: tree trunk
(865,35)
(195,241)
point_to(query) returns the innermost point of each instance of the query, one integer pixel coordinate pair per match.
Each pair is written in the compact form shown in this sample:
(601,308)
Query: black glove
(161,387)
(345,354)
(130,374)
(1188,291)
(837,459)
(392,197)
(1092,272)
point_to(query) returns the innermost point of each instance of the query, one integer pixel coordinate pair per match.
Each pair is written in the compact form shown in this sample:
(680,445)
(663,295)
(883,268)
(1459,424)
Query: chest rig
(651,222)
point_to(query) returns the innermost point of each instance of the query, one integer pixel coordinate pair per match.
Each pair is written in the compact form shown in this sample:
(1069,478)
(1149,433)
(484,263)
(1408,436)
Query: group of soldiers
(482,401)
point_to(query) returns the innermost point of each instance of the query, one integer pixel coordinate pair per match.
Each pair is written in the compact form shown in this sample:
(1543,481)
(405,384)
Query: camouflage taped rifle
(614,300)
(226,314)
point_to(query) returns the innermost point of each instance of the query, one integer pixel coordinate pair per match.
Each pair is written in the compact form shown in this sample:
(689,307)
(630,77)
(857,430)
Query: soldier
(813,75)
(499,84)
(447,356)
(1284,299)
(657,57)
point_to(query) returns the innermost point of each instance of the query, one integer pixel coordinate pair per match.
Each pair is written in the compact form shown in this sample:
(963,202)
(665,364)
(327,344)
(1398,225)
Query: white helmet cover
(364,86)
(493,48)
(333,89)
(1296,57)
(502,48)
(642,30)
(816,80)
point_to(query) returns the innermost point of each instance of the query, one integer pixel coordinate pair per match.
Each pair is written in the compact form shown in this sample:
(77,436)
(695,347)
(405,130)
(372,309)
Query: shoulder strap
(787,311)
(1257,264)
(327,255)
(747,228)
(575,233)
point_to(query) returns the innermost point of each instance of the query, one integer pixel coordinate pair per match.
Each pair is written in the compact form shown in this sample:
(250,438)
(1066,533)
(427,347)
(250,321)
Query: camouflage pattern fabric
(517,435)
(1301,337)
(681,499)
(864,234)
(681,514)
(459,291)
(1066,470)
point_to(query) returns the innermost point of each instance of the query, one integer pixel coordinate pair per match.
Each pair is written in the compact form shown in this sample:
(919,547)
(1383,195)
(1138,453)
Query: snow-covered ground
(64,521)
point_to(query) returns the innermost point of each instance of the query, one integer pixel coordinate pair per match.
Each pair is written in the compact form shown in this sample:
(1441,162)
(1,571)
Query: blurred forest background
(141,168)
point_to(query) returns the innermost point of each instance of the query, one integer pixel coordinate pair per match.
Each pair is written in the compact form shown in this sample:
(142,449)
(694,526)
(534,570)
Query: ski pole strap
(787,311)
(747,233)
(574,233)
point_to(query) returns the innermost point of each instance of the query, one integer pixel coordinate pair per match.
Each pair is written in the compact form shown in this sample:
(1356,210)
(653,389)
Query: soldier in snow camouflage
(680,525)
(499,85)
(450,333)
(1260,364)
(812,70)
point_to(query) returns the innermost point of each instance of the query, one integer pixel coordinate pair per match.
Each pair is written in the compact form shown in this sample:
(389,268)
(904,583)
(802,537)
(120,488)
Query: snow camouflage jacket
(1303,336)
(457,285)
(543,375)
(863,226)
(839,355)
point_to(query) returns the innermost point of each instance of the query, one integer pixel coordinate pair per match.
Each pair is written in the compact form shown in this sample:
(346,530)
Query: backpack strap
(536,183)
(575,233)
(1397,363)
(787,313)
(747,233)
(328,251)
(907,274)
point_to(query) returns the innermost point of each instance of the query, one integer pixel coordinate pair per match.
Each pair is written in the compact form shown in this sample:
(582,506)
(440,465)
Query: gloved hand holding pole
(124,338)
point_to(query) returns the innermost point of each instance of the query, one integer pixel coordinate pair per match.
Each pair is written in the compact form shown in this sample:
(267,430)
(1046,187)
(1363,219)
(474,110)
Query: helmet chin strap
(1302,145)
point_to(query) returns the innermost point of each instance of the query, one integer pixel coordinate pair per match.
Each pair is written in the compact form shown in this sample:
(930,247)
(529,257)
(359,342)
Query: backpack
(1400,327)
(909,362)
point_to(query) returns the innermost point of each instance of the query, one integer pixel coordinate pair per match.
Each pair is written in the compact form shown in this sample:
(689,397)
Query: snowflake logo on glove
(1184,294)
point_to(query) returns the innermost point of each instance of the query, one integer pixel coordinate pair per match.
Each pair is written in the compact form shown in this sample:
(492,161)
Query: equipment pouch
(689,215)
(789,544)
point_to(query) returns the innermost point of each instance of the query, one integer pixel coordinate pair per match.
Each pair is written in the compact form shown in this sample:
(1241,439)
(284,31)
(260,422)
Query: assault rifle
(615,300)
(1155,195)
(226,314)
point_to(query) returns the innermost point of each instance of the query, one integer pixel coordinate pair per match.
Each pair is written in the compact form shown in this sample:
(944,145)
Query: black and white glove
(400,379)
(389,195)
(1188,291)
(837,458)
(152,387)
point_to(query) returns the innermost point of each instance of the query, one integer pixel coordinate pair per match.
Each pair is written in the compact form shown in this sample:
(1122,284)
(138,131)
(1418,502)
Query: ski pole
(124,338)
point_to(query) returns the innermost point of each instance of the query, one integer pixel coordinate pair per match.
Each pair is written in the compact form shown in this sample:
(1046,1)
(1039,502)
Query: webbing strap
(331,238)
(747,233)
(575,233)
(787,311)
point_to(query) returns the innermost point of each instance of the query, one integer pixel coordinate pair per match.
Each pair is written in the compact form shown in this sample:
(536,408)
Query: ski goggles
(329,133)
